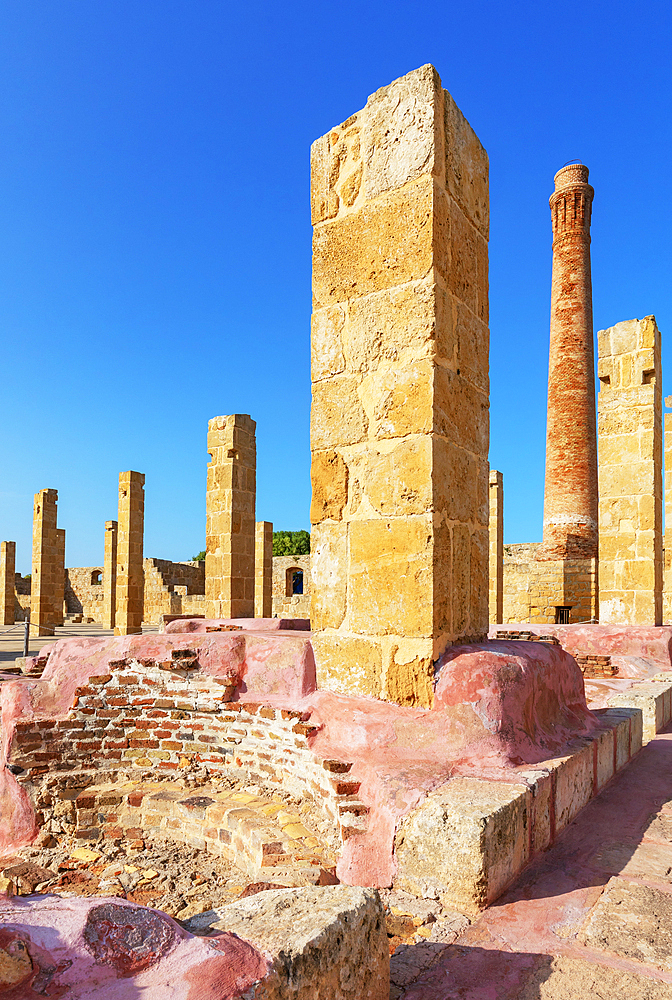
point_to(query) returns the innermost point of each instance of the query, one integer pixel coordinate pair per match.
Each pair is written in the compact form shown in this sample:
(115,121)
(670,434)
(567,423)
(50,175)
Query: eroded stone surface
(634,921)
(325,944)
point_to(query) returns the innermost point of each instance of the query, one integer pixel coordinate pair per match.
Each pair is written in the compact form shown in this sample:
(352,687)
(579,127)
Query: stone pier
(230,510)
(59,579)
(399,424)
(130,588)
(7,574)
(110,574)
(496,546)
(667,540)
(630,408)
(44,577)
(263,570)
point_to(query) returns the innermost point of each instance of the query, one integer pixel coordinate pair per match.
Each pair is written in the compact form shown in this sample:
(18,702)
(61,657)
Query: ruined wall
(286,604)
(399,423)
(169,588)
(630,406)
(533,591)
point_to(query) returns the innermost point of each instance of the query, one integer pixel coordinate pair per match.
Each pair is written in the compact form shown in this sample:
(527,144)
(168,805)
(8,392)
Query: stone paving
(592,917)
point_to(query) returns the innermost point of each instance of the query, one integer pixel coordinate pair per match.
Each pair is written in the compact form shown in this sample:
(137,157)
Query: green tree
(291,543)
(199,558)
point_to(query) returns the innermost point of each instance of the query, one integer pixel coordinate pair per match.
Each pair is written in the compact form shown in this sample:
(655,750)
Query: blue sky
(155,232)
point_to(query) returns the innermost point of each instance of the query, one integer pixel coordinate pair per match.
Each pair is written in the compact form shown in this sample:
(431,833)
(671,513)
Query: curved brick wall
(570,498)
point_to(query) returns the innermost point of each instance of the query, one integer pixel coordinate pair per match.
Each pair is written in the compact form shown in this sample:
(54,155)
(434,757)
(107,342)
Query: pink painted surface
(499,706)
(542,913)
(111,949)
(652,643)
(247,624)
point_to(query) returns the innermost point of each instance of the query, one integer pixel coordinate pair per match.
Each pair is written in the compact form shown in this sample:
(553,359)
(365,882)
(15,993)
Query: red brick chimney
(570,498)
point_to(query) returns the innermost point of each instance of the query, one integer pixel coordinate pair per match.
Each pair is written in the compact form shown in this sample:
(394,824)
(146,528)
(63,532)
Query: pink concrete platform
(248,624)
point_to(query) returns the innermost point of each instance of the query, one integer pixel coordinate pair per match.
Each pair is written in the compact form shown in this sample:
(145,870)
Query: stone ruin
(285,801)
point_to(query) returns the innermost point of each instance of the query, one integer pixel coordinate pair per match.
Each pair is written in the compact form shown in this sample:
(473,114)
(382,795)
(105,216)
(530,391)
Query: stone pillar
(570,497)
(59,578)
(399,424)
(7,577)
(263,570)
(630,408)
(230,509)
(496,547)
(110,574)
(43,584)
(130,589)
(667,541)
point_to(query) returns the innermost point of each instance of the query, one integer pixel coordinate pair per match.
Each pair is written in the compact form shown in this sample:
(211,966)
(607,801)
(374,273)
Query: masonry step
(261,834)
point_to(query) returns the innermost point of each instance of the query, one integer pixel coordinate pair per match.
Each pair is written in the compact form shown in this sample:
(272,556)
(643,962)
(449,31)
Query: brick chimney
(570,498)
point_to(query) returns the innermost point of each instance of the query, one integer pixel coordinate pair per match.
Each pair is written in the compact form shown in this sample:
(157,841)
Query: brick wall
(162,720)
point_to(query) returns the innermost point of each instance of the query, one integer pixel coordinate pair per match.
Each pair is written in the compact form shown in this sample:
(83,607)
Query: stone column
(630,408)
(667,541)
(263,570)
(110,574)
(7,577)
(399,424)
(130,589)
(230,510)
(43,584)
(496,547)
(570,498)
(59,578)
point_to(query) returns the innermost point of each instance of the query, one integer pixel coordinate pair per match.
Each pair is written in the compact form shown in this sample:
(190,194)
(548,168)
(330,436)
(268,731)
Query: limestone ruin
(228,796)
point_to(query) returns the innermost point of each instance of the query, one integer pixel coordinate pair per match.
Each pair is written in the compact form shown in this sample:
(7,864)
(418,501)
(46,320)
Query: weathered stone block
(465,843)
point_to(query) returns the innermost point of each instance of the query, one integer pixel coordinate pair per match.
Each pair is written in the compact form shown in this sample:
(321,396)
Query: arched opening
(97,578)
(294,581)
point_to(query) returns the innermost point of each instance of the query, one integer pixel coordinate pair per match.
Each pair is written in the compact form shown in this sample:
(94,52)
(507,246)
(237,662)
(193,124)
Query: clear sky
(155,230)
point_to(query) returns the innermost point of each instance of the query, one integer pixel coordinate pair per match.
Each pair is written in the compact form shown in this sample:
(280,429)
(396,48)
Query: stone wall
(286,604)
(534,590)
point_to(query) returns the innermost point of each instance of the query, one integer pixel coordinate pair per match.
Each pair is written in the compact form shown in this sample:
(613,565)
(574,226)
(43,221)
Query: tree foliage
(199,558)
(291,543)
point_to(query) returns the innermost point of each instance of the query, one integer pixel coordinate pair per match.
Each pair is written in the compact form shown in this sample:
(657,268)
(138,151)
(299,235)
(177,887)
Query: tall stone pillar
(496,547)
(110,574)
(130,589)
(59,578)
(43,584)
(570,497)
(7,577)
(399,423)
(263,570)
(230,509)
(630,432)
(667,540)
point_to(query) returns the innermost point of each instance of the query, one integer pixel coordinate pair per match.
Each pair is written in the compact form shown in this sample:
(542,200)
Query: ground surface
(12,636)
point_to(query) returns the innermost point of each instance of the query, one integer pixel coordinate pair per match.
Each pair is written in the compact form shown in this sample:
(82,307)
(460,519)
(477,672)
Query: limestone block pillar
(230,509)
(44,575)
(130,589)
(399,423)
(263,570)
(496,547)
(59,578)
(667,541)
(110,573)
(630,473)
(7,576)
